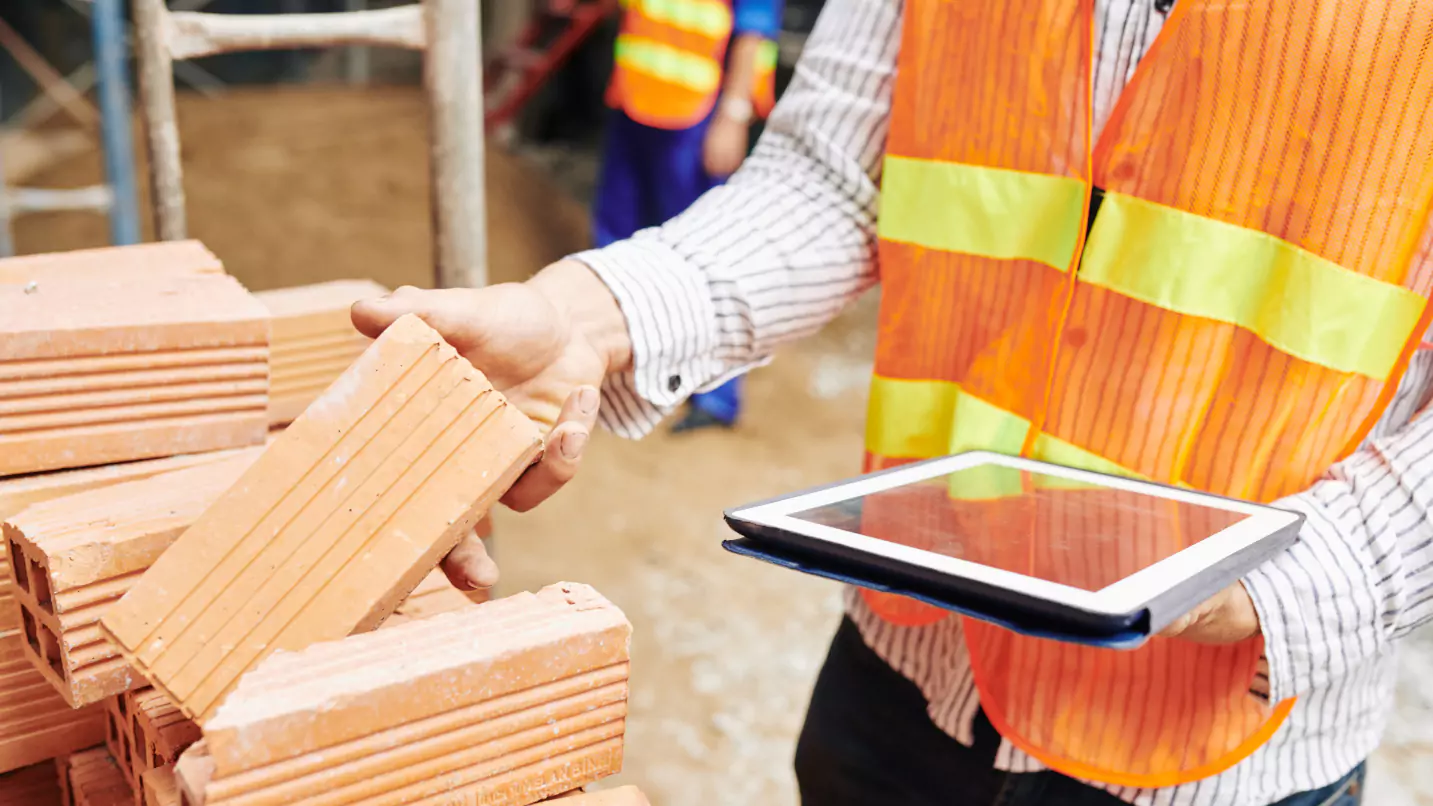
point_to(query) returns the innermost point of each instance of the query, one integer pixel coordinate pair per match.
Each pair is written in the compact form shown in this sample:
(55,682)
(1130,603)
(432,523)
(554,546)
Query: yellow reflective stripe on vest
(669,64)
(706,17)
(924,419)
(1304,305)
(989,212)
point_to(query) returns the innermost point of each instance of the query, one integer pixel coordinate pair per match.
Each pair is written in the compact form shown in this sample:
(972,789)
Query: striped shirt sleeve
(778,250)
(1361,574)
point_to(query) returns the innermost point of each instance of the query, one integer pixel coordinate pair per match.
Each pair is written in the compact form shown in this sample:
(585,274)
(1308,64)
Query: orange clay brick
(621,796)
(35,722)
(35,785)
(19,492)
(340,518)
(74,557)
(510,702)
(95,780)
(145,731)
(166,257)
(96,371)
(161,787)
(312,341)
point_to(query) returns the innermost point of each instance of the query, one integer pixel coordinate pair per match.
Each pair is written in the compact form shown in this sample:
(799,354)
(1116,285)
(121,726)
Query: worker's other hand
(1226,618)
(725,146)
(546,345)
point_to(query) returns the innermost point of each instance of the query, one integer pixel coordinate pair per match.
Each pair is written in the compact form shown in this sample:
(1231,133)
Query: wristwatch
(736,108)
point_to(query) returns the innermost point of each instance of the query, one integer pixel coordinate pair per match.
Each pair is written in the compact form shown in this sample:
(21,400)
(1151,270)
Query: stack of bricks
(75,556)
(521,699)
(93,778)
(213,599)
(146,732)
(311,341)
(338,520)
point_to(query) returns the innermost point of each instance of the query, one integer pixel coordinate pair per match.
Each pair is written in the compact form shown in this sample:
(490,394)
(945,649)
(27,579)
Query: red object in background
(549,38)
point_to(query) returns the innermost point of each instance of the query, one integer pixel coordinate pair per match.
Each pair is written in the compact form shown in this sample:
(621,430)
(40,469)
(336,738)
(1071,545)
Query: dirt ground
(300,185)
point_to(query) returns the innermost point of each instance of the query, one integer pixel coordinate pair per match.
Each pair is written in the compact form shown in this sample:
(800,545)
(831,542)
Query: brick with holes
(146,731)
(339,519)
(508,702)
(95,779)
(19,492)
(35,721)
(74,557)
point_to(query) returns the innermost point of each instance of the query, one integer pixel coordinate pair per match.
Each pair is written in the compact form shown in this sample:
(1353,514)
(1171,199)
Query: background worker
(1208,271)
(680,122)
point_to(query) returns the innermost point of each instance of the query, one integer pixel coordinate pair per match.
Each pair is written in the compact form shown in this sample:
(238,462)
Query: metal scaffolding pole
(112,71)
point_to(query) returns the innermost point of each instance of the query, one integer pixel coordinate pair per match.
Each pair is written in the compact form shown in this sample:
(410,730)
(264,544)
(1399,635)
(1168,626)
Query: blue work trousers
(648,176)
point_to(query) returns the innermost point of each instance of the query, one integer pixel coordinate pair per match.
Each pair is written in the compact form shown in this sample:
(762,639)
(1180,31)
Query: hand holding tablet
(1039,548)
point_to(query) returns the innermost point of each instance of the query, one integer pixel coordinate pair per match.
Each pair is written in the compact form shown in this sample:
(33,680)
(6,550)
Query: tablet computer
(1040,548)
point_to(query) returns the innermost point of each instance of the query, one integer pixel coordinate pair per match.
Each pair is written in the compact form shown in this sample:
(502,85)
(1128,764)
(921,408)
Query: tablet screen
(1054,528)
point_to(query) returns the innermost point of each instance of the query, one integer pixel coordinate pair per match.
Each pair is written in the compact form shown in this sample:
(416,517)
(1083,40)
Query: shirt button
(674,383)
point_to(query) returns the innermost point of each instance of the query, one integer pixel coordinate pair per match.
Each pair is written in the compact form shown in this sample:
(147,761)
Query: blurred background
(302,166)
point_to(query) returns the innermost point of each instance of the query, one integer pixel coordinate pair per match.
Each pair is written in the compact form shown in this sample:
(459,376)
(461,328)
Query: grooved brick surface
(510,702)
(165,257)
(35,785)
(340,518)
(95,780)
(75,556)
(312,341)
(35,721)
(94,371)
(19,492)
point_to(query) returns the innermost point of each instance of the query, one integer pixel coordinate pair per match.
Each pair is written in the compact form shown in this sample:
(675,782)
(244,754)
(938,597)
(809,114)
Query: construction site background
(296,175)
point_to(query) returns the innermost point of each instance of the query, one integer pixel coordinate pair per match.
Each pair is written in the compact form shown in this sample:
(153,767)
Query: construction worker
(1190,245)
(689,79)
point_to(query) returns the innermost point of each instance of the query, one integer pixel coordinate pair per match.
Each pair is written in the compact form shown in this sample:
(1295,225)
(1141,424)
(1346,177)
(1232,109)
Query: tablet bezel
(1124,596)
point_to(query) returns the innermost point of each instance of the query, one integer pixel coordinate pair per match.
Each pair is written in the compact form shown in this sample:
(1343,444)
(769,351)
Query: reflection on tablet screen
(1074,533)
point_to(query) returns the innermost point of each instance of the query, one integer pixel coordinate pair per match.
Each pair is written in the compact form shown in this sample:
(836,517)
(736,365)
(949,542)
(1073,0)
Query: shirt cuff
(672,323)
(1309,609)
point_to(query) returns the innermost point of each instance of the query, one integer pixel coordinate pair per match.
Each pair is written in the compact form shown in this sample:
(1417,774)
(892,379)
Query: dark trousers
(868,740)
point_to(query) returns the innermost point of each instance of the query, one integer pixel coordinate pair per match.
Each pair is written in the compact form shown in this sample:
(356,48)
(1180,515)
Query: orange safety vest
(669,58)
(1235,319)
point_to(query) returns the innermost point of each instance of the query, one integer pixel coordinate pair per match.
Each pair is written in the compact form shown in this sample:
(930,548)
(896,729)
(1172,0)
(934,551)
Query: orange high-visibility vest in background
(669,60)
(1235,320)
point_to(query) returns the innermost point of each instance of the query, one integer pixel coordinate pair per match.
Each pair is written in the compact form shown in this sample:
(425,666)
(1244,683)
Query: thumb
(373,316)
(449,311)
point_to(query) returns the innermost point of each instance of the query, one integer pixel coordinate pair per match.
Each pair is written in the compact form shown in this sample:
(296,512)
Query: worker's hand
(725,146)
(1225,619)
(546,345)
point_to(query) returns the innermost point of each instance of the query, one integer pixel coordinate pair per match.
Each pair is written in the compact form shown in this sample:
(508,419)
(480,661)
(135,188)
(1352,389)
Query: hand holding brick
(339,519)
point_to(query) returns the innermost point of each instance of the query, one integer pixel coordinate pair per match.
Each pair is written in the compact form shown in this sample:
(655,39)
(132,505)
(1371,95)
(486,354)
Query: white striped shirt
(790,240)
